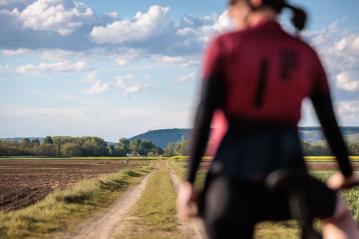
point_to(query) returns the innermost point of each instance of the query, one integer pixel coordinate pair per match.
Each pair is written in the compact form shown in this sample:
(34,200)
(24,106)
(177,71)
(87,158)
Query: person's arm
(323,106)
(210,99)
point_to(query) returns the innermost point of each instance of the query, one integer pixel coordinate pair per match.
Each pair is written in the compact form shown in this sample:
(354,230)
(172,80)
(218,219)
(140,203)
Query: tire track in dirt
(193,226)
(105,225)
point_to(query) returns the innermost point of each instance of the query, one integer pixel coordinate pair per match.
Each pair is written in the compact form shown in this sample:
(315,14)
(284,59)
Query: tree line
(62,146)
(181,148)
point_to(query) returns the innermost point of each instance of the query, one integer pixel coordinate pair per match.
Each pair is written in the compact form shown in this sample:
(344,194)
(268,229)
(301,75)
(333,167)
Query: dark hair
(299,18)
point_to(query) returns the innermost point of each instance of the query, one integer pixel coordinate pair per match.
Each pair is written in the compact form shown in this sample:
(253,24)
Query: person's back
(258,76)
(268,73)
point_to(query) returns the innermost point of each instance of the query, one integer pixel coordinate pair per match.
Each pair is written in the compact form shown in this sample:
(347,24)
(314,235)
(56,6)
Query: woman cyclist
(258,77)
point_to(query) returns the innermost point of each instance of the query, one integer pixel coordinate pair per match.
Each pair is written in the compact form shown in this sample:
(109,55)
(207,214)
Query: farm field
(313,163)
(25,181)
(103,199)
(321,167)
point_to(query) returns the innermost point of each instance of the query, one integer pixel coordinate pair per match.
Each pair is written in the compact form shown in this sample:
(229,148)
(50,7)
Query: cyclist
(258,76)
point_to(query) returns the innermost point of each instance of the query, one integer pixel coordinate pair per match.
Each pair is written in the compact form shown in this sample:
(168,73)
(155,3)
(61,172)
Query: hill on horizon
(162,137)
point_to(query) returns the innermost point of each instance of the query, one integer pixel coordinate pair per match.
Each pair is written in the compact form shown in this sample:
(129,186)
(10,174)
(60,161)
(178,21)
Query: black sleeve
(210,99)
(322,103)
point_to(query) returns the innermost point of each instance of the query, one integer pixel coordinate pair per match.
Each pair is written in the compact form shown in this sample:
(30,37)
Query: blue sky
(118,68)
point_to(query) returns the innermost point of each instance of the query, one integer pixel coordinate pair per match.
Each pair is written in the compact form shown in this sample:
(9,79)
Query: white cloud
(17,52)
(176,60)
(125,57)
(5,67)
(98,88)
(339,51)
(113,14)
(186,78)
(349,112)
(61,16)
(128,84)
(143,27)
(203,29)
(62,66)
(150,32)
(348,81)
(59,55)
(90,77)
(348,43)
(6,2)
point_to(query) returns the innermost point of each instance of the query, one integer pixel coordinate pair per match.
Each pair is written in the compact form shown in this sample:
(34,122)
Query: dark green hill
(309,134)
(162,137)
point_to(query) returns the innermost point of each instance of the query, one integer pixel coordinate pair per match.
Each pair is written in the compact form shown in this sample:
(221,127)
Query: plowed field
(25,181)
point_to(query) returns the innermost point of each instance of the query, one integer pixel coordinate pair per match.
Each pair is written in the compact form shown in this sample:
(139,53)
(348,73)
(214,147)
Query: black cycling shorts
(231,207)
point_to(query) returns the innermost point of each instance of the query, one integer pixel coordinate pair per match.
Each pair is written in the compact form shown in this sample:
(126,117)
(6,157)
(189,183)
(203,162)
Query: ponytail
(299,18)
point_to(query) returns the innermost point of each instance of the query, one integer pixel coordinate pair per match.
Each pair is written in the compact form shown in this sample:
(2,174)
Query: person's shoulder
(227,39)
(303,45)
(231,35)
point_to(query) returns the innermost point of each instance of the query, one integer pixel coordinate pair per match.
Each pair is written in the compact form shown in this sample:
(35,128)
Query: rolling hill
(162,137)
(308,134)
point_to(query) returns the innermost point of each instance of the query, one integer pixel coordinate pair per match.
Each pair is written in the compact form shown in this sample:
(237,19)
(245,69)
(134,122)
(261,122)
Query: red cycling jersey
(267,72)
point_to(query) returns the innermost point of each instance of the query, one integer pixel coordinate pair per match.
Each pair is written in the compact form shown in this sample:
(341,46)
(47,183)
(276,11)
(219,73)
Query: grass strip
(154,215)
(61,210)
(270,230)
(83,158)
(179,166)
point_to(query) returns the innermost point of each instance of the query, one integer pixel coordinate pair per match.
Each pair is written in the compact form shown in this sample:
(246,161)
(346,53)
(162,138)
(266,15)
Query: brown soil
(25,181)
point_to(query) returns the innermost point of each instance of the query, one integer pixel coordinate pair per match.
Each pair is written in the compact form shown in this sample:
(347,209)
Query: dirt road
(105,224)
(109,223)
(194,226)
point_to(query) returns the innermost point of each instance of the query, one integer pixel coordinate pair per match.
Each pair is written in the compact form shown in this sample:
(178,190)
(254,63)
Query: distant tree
(122,148)
(48,140)
(182,147)
(71,150)
(26,141)
(35,141)
(63,146)
(111,150)
(135,147)
(169,150)
(47,150)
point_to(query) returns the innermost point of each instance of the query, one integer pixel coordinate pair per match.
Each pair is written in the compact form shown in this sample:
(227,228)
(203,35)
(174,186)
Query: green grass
(61,210)
(269,230)
(275,230)
(154,215)
(178,164)
(351,195)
